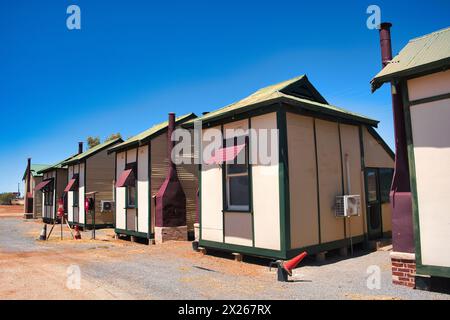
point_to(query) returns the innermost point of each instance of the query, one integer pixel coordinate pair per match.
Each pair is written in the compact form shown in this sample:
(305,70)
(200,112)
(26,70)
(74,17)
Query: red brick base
(403,269)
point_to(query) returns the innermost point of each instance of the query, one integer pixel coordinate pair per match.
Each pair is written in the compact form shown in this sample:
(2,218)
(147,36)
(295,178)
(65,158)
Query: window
(237,181)
(131,186)
(76,198)
(131,196)
(48,198)
(372,187)
(386,175)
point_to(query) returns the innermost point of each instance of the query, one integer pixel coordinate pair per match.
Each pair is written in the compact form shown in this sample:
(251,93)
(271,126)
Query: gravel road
(119,269)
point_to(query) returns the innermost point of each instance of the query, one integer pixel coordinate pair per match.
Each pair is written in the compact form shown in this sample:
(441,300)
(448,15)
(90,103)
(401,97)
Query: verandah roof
(225,154)
(126,178)
(43,185)
(72,185)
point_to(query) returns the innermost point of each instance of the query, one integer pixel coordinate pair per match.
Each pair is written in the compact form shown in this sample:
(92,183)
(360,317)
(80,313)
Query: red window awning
(72,185)
(44,184)
(225,154)
(126,178)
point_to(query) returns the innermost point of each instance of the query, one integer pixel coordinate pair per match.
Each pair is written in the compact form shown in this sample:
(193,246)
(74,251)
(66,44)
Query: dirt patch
(11,211)
(354,296)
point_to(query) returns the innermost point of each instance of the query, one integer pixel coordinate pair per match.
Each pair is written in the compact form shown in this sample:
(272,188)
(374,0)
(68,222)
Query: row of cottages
(91,174)
(154,198)
(33,198)
(54,180)
(279,209)
(420,78)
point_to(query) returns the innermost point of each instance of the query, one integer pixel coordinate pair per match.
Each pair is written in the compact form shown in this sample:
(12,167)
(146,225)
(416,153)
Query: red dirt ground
(11,211)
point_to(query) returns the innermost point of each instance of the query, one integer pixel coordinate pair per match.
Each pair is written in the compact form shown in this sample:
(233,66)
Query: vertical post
(93,218)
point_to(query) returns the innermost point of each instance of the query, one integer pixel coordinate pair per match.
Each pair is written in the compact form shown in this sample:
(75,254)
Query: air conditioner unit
(107,206)
(348,206)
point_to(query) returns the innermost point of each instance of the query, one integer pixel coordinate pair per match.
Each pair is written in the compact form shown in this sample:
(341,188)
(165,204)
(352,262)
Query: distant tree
(92,141)
(113,136)
(5,198)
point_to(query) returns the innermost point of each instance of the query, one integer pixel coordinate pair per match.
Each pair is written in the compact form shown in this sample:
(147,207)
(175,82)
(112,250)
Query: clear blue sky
(134,61)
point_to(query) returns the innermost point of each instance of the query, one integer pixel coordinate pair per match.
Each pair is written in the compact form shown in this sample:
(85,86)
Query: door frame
(376,234)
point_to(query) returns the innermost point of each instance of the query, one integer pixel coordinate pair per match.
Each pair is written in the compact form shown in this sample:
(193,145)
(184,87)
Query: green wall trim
(279,254)
(90,226)
(412,173)
(363,171)
(133,233)
(433,271)
(430,99)
(250,177)
(342,175)
(149,177)
(317,180)
(283,169)
(260,252)
(314,249)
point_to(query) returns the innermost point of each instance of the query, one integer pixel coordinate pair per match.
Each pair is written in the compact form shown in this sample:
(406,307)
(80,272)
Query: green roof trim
(422,55)
(35,168)
(92,151)
(297,91)
(149,133)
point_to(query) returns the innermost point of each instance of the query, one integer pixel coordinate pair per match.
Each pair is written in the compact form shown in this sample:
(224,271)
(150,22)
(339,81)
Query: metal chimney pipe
(401,202)
(28,175)
(27,205)
(385,43)
(80,147)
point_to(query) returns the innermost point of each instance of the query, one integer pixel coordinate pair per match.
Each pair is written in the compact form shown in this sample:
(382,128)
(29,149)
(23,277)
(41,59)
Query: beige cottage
(54,180)
(33,198)
(141,168)
(279,209)
(421,72)
(91,171)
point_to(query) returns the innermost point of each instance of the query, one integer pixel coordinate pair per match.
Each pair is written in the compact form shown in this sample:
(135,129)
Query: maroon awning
(225,154)
(71,186)
(43,185)
(125,179)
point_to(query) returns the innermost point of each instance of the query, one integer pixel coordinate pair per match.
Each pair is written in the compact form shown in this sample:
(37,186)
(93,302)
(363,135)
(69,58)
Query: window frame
(48,192)
(48,198)
(227,206)
(76,198)
(133,167)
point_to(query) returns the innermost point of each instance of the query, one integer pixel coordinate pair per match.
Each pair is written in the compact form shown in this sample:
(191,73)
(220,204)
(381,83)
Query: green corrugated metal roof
(150,132)
(35,168)
(421,54)
(286,91)
(92,151)
(58,165)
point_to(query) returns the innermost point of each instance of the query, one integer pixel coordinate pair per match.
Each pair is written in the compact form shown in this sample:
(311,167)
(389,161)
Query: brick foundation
(403,269)
(163,234)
